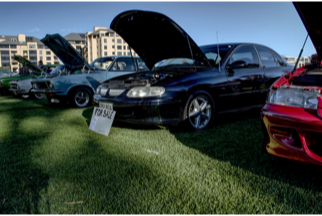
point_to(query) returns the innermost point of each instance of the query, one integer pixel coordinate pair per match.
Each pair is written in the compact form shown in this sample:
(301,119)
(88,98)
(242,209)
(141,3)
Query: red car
(292,115)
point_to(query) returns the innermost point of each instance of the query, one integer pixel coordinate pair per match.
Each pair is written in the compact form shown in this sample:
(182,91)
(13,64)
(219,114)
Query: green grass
(51,163)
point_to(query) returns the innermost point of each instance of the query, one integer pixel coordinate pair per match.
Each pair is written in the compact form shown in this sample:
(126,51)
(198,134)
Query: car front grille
(41,85)
(14,86)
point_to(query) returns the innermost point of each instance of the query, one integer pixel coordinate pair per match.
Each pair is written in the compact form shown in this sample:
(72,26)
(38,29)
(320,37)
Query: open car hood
(155,37)
(28,64)
(65,52)
(311,18)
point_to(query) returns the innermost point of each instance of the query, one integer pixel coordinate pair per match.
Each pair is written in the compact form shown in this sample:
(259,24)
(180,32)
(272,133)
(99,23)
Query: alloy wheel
(81,98)
(38,96)
(199,112)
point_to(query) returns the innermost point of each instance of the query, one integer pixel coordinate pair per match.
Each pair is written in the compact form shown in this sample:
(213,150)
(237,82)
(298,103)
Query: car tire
(199,112)
(81,97)
(37,96)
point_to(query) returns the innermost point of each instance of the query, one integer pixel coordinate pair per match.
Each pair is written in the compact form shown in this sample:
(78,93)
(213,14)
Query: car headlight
(297,97)
(98,89)
(34,86)
(51,86)
(147,91)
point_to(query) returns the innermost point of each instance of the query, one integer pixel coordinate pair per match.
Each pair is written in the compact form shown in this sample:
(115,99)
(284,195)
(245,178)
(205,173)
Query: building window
(113,40)
(40,46)
(48,58)
(33,58)
(13,39)
(33,52)
(47,52)
(105,53)
(40,58)
(32,46)
(105,47)
(40,52)
(119,53)
(113,47)
(105,40)
(112,34)
(119,47)
(113,53)
(128,47)
(124,47)
(128,53)
(124,53)
(124,41)
(13,46)
(117,35)
(119,40)
(102,34)
(4,46)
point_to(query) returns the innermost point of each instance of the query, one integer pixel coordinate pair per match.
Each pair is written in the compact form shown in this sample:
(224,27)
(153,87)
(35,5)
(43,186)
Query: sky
(274,24)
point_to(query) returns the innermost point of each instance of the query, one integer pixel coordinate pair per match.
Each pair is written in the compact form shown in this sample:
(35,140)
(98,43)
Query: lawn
(51,163)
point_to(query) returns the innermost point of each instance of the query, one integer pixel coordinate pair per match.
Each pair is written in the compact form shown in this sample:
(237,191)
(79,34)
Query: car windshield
(211,52)
(173,61)
(102,63)
(57,70)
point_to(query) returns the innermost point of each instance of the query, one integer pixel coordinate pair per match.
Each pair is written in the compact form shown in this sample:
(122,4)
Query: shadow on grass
(237,138)
(20,180)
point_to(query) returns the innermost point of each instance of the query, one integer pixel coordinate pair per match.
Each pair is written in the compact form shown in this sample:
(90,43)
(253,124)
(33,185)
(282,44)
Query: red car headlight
(294,96)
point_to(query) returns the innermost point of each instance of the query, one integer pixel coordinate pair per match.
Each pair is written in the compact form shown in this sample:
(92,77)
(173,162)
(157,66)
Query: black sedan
(186,82)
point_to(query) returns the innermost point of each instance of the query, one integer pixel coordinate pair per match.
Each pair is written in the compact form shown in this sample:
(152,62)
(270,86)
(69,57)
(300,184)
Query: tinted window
(123,65)
(245,53)
(211,52)
(266,56)
(279,59)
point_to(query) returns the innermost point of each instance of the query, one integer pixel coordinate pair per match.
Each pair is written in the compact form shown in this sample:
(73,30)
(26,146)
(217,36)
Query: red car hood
(155,37)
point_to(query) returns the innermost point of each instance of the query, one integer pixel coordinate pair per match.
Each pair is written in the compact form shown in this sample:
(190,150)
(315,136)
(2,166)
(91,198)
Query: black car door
(245,78)
(273,65)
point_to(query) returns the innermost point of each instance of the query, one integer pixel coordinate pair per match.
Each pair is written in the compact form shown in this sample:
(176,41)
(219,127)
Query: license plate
(105,105)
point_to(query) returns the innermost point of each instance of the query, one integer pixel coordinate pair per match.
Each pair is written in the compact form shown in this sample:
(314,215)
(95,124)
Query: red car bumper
(292,132)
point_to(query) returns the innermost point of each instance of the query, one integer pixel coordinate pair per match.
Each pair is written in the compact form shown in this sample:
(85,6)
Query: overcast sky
(274,24)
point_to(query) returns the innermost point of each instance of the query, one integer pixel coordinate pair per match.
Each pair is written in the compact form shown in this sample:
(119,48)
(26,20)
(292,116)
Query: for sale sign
(102,120)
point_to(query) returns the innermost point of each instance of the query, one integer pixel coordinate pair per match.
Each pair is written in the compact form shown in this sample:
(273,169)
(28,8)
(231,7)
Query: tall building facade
(32,49)
(104,42)
(91,45)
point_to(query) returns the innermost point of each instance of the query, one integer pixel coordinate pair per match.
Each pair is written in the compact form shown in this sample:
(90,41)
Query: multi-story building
(29,47)
(303,60)
(104,42)
(32,49)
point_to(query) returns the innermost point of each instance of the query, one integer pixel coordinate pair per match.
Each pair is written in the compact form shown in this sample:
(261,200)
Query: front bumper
(292,132)
(18,91)
(149,111)
(47,91)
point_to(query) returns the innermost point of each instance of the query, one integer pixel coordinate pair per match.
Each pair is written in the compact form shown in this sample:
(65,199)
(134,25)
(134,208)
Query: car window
(279,59)
(245,53)
(174,61)
(211,52)
(59,69)
(102,63)
(266,56)
(123,64)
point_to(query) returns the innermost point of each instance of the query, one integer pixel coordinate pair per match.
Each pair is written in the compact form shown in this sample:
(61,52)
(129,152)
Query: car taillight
(286,136)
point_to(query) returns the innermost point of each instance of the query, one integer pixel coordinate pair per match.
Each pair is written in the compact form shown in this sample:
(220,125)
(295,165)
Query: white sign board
(102,120)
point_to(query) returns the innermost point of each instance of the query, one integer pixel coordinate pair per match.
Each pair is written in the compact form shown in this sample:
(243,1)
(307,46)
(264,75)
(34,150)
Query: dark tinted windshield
(211,52)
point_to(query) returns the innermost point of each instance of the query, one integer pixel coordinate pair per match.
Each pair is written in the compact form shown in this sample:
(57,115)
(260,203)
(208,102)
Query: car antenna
(191,52)
(218,53)
(298,59)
